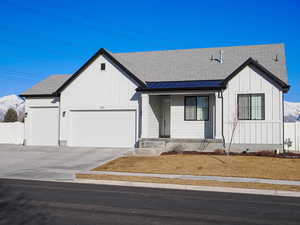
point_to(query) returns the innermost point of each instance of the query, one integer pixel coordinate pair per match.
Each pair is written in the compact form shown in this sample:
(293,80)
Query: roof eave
(102,51)
(180,89)
(39,95)
(250,61)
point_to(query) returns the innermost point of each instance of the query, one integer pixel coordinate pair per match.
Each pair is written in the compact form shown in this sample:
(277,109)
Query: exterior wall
(150,116)
(190,129)
(268,131)
(218,117)
(36,102)
(154,103)
(94,89)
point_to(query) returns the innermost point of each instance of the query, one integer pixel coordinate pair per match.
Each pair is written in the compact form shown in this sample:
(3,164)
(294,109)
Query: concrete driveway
(51,163)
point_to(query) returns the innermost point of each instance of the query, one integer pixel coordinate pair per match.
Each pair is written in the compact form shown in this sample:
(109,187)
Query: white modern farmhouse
(191,96)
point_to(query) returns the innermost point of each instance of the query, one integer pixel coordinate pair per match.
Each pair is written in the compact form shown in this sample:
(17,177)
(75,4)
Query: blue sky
(39,38)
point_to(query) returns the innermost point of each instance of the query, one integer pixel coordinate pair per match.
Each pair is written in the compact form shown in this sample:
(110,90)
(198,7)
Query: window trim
(195,96)
(250,105)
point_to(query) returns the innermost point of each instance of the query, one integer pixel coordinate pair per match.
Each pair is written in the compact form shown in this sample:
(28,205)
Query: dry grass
(214,165)
(190,182)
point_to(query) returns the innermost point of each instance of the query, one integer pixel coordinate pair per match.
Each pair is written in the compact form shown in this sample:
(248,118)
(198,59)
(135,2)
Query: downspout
(223,138)
(59,115)
(283,133)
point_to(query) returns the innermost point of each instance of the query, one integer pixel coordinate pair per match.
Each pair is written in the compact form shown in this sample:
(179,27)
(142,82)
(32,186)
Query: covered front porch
(189,116)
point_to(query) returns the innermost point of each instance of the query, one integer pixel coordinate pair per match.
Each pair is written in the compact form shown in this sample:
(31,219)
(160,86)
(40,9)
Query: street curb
(191,187)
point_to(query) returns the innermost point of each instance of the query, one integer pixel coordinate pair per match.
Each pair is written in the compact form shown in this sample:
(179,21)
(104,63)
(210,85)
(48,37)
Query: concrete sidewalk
(192,177)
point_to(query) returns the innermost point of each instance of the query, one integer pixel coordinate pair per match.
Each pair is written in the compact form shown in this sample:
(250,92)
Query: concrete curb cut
(97,164)
(192,187)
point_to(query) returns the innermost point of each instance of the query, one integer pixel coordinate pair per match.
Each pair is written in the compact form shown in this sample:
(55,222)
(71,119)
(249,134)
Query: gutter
(40,95)
(180,89)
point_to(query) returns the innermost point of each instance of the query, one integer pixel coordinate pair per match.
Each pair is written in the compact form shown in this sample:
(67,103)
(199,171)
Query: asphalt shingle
(196,64)
(186,65)
(47,86)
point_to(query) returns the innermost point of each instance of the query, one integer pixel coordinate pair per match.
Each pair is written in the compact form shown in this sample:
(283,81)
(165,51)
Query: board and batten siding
(190,129)
(95,89)
(267,131)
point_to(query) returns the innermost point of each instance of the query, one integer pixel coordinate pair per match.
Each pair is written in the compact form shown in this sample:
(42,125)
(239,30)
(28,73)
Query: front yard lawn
(209,165)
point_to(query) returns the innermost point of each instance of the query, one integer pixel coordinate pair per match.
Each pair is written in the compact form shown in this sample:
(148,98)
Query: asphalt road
(37,202)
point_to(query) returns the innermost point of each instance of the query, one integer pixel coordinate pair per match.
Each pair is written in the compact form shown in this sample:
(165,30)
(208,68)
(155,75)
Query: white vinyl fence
(292,136)
(12,133)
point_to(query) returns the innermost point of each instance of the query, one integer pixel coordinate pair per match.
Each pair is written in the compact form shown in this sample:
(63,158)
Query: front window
(251,106)
(196,108)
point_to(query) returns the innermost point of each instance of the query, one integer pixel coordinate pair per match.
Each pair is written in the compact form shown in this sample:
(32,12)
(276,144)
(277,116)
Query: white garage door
(43,126)
(112,128)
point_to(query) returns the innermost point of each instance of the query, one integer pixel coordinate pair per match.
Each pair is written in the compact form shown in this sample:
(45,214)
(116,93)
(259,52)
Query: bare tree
(234,127)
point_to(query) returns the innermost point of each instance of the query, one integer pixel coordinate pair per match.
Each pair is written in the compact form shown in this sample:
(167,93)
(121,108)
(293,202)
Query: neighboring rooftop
(198,64)
(47,86)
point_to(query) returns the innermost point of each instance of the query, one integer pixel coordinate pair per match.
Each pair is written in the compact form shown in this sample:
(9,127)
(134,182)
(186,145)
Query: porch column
(145,115)
(218,117)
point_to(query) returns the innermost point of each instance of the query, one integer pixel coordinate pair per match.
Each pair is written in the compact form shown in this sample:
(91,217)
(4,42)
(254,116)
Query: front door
(164,124)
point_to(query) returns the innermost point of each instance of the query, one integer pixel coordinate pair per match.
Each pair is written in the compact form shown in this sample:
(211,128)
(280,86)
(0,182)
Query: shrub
(11,116)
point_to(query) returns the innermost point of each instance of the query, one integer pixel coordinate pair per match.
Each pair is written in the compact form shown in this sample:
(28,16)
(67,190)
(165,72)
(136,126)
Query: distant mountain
(14,102)
(291,111)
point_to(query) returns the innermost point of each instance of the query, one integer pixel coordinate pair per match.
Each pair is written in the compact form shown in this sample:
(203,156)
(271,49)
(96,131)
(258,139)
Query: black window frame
(208,101)
(250,106)
(102,66)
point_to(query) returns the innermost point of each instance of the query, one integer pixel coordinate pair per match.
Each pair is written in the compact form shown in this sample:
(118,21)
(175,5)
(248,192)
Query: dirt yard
(214,165)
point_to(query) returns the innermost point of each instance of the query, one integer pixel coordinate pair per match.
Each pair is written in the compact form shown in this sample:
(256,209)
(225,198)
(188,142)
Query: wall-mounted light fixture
(26,115)
(220,94)
(63,113)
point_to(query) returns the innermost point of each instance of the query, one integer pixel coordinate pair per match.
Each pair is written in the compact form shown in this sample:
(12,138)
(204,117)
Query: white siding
(154,102)
(268,131)
(150,117)
(94,89)
(218,117)
(189,129)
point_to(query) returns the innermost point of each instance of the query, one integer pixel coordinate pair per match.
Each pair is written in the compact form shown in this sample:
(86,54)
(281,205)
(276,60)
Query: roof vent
(221,56)
(220,59)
